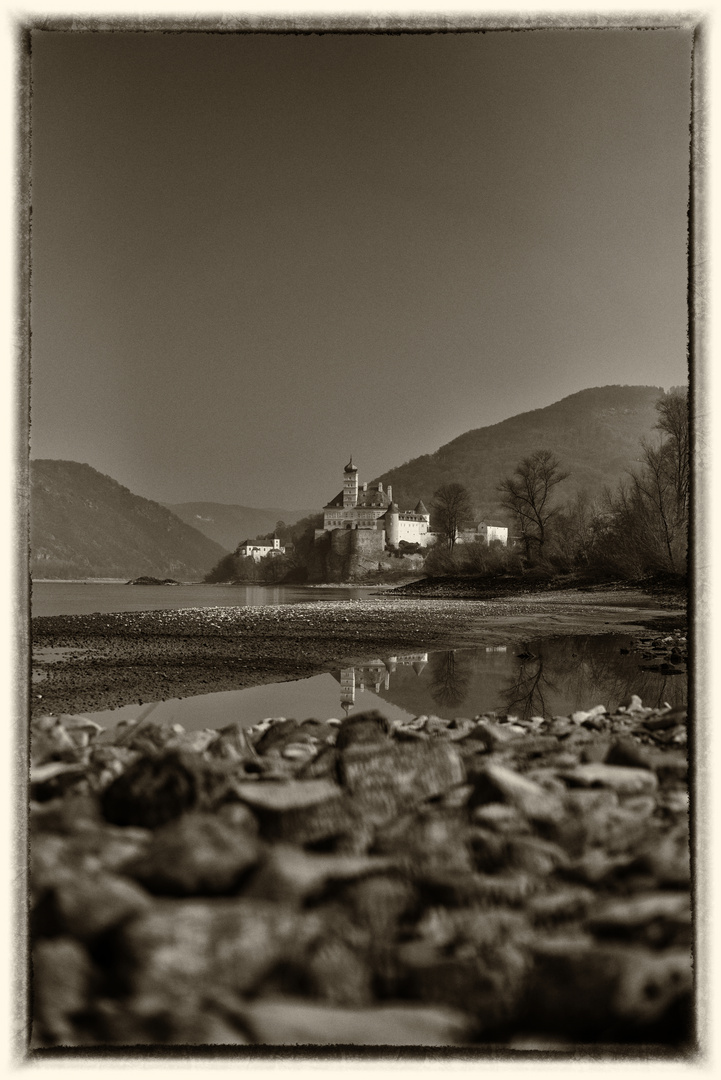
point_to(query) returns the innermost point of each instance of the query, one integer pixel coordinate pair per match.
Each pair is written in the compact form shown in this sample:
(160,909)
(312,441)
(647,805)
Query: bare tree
(450,679)
(452,511)
(656,488)
(527,494)
(673,422)
(575,531)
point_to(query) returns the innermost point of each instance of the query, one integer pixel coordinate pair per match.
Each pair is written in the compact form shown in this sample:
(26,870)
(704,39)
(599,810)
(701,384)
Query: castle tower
(350,485)
(347,689)
(393,528)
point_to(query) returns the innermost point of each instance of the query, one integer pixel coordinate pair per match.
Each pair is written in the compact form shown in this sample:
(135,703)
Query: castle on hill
(369,507)
(363,530)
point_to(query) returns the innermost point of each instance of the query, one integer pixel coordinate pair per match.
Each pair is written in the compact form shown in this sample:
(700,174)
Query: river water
(551,676)
(562,675)
(88,597)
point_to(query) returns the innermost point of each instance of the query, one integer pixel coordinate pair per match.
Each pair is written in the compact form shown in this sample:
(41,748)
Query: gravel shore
(485,882)
(119,659)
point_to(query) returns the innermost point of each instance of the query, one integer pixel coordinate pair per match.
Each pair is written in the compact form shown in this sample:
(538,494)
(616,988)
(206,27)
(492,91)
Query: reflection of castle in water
(375,675)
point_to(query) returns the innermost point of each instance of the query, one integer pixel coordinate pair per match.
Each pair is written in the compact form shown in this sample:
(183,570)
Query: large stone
(428,838)
(494,736)
(628,752)
(562,905)
(623,780)
(89,905)
(67,815)
(472,959)
(412,773)
(62,979)
(580,987)
(279,796)
(291,875)
(535,856)
(496,783)
(338,973)
(300,811)
(180,950)
(196,855)
(379,902)
(288,1022)
(667,856)
(658,919)
(597,818)
(277,735)
(651,983)
(670,718)
(158,788)
(459,889)
(364,729)
(49,741)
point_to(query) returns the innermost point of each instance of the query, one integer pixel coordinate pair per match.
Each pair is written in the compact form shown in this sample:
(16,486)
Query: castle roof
(420,508)
(350,467)
(392,508)
(337,501)
(372,497)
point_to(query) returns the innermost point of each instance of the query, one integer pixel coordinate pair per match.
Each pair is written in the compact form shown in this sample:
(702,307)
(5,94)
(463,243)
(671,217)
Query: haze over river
(86,597)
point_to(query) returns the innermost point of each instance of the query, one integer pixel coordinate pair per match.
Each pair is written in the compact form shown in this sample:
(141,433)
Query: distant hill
(84,524)
(595,433)
(228,524)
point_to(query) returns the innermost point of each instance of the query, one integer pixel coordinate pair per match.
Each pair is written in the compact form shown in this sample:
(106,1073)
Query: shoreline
(139,657)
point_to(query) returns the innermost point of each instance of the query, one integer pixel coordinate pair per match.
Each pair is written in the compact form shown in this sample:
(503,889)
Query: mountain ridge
(595,432)
(85,524)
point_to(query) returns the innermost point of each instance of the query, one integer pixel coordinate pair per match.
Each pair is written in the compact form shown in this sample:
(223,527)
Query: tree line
(637,529)
(290,567)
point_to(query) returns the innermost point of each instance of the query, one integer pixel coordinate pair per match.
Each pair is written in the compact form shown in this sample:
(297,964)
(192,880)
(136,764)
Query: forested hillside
(84,524)
(596,433)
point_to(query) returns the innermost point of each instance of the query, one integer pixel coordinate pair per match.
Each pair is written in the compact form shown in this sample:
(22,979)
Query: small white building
(251,550)
(485,533)
(493,530)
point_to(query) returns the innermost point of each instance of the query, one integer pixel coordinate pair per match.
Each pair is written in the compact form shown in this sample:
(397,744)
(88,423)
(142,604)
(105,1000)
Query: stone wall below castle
(351,554)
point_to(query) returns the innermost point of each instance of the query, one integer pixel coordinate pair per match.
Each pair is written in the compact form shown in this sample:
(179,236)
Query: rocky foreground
(485,882)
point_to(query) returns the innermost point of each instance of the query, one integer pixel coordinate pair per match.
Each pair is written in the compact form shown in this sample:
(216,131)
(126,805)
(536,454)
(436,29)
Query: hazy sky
(253,254)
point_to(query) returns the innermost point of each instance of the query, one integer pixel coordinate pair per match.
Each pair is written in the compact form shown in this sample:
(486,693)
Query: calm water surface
(562,675)
(86,598)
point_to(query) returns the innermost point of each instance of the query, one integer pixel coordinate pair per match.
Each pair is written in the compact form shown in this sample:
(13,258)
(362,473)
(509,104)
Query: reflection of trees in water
(450,678)
(524,694)
(592,671)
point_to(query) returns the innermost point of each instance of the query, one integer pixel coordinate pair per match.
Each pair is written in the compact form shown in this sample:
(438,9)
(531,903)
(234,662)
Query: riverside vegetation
(636,531)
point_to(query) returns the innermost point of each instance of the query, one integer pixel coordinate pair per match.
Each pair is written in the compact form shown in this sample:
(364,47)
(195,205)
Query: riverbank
(120,659)
(666,590)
